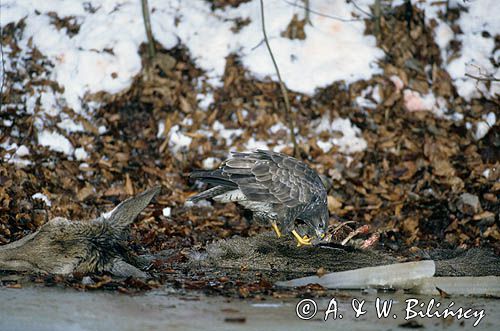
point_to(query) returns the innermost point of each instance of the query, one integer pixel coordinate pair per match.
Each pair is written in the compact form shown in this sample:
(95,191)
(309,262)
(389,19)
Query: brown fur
(63,247)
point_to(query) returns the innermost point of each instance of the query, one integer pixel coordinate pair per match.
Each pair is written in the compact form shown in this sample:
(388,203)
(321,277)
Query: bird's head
(322,227)
(317,224)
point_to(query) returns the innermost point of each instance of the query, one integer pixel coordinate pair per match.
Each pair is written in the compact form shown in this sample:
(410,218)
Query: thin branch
(483,78)
(360,9)
(307,16)
(288,111)
(2,85)
(311,11)
(147,26)
(377,11)
(257,46)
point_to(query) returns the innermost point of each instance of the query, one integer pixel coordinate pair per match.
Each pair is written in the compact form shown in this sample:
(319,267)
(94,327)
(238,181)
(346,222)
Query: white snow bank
(103,55)
(333,50)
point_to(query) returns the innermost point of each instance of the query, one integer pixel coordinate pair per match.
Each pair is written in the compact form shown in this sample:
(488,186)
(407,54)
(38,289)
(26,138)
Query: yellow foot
(301,240)
(276,229)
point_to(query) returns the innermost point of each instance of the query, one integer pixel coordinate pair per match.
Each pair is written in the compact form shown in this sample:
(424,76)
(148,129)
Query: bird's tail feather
(214,177)
(210,193)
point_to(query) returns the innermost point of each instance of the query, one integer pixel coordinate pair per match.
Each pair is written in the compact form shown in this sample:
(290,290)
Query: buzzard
(277,188)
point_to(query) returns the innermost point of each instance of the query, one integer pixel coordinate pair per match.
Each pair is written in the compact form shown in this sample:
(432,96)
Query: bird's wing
(272,177)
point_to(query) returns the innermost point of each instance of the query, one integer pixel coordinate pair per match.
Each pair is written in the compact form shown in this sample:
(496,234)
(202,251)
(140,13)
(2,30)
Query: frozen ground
(40,309)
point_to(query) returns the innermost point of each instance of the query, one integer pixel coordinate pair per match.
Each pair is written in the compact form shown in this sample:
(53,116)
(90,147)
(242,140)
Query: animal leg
(301,240)
(276,229)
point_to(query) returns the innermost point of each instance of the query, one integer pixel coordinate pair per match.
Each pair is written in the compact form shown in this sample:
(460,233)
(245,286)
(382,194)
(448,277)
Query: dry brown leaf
(84,193)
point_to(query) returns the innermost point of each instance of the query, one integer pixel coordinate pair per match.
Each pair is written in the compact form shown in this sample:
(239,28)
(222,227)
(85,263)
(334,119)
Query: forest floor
(424,180)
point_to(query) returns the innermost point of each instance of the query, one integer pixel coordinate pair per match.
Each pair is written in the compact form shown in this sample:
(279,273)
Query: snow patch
(205,100)
(278,127)
(253,144)
(228,134)
(210,162)
(69,126)
(351,140)
(167,211)
(477,47)
(398,82)
(81,154)
(178,142)
(333,50)
(483,127)
(18,153)
(369,97)
(55,141)
(201,203)
(477,50)
(42,197)
(280,147)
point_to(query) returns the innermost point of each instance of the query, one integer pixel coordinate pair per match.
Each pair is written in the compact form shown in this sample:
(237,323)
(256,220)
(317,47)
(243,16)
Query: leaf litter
(424,179)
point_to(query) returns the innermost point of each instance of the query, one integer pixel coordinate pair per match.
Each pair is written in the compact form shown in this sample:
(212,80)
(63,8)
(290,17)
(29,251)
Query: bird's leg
(276,229)
(301,240)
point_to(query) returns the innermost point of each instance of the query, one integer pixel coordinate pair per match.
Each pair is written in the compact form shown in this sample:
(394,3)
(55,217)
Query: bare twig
(288,111)
(307,15)
(484,78)
(360,9)
(147,26)
(3,67)
(377,12)
(311,11)
(258,45)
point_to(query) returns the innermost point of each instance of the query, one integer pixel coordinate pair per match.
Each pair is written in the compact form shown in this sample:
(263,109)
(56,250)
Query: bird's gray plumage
(275,186)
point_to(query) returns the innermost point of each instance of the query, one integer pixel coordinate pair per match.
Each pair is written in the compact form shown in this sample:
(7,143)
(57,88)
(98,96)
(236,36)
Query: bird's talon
(301,240)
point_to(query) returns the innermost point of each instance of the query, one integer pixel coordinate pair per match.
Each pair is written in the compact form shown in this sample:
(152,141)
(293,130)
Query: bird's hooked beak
(320,233)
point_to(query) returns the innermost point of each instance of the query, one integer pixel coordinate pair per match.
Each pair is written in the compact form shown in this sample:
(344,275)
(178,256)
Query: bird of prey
(277,188)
